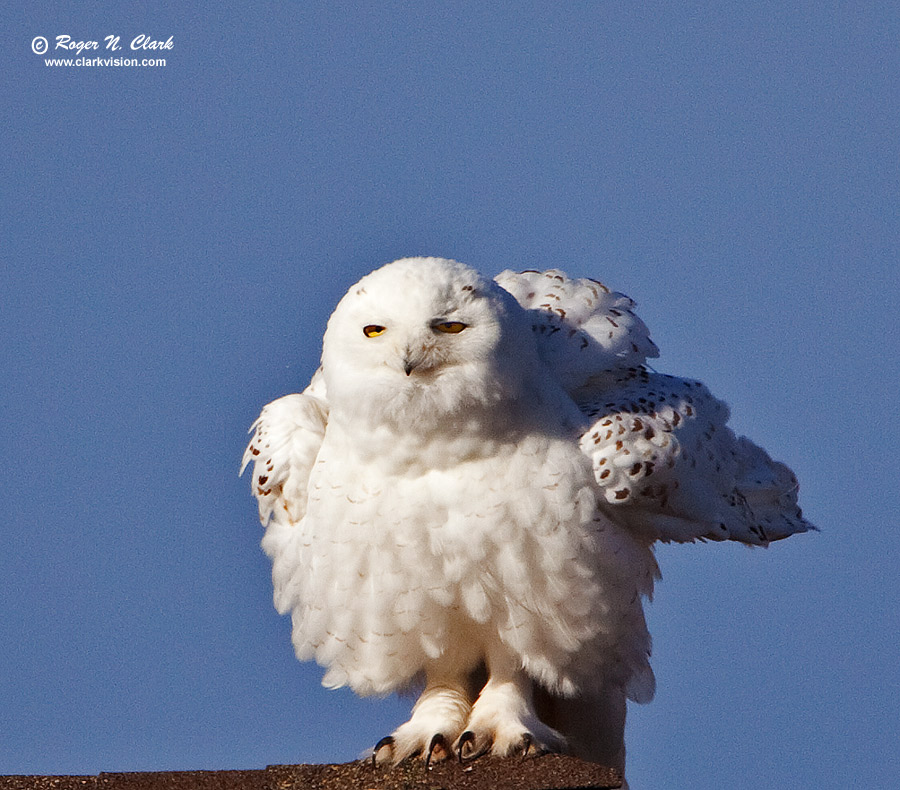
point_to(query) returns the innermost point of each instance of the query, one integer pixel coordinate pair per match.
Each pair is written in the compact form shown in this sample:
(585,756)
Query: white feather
(672,469)
(581,325)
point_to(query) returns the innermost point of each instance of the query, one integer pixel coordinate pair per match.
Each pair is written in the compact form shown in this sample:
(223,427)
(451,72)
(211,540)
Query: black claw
(438,740)
(387,740)
(468,738)
(527,743)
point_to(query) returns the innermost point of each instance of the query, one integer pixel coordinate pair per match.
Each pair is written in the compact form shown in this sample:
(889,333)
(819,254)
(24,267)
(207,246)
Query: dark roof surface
(548,772)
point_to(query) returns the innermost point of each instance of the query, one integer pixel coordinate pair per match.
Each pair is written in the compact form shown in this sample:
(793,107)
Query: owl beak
(411,360)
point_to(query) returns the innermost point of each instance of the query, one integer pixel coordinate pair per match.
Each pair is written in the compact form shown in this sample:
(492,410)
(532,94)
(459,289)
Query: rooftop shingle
(548,772)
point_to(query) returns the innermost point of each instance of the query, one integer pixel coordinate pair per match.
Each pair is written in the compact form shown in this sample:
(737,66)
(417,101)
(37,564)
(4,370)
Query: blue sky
(173,240)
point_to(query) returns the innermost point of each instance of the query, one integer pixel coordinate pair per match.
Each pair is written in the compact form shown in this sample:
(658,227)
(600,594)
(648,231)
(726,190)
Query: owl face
(427,336)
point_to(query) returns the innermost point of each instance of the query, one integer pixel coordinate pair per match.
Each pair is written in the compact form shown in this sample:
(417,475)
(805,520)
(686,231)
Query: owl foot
(439,717)
(503,723)
(470,747)
(466,749)
(387,750)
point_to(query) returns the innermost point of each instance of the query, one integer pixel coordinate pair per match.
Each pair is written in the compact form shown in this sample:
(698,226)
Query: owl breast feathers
(470,486)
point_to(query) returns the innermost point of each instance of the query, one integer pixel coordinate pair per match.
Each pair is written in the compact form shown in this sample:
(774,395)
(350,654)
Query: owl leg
(503,720)
(438,718)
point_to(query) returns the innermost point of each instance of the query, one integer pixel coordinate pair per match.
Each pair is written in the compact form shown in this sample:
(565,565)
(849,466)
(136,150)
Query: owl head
(425,340)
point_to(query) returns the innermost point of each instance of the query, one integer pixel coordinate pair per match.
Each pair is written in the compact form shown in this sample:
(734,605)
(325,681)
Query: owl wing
(671,469)
(581,326)
(285,442)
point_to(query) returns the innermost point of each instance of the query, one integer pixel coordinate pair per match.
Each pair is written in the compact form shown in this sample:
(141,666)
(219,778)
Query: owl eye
(450,327)
(373,330)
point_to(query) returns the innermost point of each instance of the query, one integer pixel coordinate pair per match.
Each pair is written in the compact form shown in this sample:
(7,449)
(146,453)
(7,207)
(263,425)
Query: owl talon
(468,738)
(529,744)
(387,740)
(438,742)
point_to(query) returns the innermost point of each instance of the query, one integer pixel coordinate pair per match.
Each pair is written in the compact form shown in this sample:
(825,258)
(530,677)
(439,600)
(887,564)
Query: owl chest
(440,498)
(397,493)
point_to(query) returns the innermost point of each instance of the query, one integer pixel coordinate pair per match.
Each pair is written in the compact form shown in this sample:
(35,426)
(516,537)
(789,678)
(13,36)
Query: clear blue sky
(173,240)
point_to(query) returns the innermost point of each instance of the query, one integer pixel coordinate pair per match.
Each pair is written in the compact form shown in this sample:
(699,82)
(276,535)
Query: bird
(465,499)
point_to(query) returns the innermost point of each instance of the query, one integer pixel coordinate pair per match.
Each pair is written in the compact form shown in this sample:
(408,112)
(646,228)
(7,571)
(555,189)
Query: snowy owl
(465,498)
